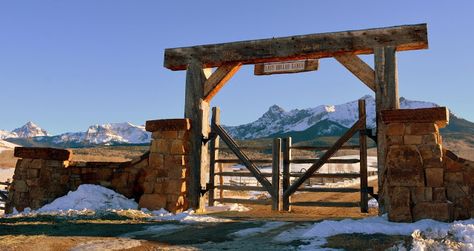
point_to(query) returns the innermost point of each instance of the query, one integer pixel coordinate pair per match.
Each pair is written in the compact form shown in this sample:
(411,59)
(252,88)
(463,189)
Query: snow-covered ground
(97,200)
(93,199)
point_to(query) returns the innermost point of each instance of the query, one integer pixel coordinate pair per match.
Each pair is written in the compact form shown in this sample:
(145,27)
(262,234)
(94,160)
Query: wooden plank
(329,175)
(246,161)
(221,182)
(286,174)
(406,37)
(244,201)
(330,161)
(235,161)
(198,111)
(276,153)
(214,155)
(241,174)
(324,204)
(329,189)
(438,115)
(286,67)
(359,68)
(364,196)
(241,188)
(386,97)
(44,153)
(218,79)
(328,154)
(323,148)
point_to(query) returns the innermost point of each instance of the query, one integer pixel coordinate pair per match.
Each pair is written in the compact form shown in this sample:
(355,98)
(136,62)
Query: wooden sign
(286,67)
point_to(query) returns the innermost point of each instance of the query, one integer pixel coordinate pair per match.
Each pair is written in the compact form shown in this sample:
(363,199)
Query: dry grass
(7,159)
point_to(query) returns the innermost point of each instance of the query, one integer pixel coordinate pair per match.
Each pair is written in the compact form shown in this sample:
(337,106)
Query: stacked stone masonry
(156,180)
(424,180)
(165,182)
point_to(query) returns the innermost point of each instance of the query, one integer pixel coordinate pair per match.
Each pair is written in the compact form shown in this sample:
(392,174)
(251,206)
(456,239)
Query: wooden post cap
(168,125)
(437,115)
(42,153)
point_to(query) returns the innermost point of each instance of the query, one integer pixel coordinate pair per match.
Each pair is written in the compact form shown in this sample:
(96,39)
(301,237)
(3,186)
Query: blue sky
(68,64)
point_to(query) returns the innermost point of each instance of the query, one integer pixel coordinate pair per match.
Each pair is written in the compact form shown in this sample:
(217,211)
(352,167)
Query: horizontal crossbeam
(321,45)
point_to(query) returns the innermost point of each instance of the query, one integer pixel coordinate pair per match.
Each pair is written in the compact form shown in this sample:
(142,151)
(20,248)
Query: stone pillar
(40,177)
(166,179)
(414,160)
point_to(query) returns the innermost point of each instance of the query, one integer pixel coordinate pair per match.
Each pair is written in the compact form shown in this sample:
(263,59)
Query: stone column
(414,184)
(166,179)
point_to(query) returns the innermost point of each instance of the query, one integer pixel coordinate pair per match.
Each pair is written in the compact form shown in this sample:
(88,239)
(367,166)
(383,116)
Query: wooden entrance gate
(344,46)
(288,188)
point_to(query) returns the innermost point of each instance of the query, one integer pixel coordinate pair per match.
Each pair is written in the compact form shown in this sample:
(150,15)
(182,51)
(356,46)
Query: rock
(399,204)
(441,211)
(152,201)
(404,167)
(434,177)
(42,153)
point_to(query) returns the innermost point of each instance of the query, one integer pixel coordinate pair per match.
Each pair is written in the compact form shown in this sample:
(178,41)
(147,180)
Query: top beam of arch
(322,45)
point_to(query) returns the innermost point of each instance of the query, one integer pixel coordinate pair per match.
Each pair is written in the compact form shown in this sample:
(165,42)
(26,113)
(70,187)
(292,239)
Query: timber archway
(344,46)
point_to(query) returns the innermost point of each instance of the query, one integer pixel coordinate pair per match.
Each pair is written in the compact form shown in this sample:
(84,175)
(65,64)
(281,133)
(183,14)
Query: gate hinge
(211,136)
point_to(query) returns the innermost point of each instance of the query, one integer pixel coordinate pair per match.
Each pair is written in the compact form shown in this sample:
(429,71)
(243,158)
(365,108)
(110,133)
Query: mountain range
(301,124)
(108,134)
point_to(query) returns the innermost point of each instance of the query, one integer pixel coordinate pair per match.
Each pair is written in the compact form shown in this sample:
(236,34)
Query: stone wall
(423,180)
(44,174)
(156,180)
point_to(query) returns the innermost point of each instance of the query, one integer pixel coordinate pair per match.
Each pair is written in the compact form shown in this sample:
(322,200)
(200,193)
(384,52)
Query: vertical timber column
(197,110)
(386,98)
(286,173)
(214,155)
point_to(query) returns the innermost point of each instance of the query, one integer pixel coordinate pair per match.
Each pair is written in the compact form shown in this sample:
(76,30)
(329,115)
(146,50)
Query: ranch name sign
(286,67)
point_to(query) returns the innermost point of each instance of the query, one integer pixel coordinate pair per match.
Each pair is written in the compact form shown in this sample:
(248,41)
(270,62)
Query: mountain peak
(274,112)
(30,130)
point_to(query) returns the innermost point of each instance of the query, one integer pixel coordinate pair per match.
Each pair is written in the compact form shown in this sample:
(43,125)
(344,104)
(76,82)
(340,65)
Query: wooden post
(198,111)
(364,197)
(286,173)
(214,154)
(276,152)
(386,97)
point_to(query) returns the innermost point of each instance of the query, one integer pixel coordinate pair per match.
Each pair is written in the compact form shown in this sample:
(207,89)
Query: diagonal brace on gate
(327,155)
(243,157)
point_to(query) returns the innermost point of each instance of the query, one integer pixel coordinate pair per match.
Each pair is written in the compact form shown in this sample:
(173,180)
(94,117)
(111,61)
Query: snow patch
(268,226)
(105,245)
(428,234)
(92,197)
(218,207)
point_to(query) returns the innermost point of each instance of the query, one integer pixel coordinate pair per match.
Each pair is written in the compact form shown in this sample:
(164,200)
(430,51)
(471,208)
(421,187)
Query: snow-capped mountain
(29,130)
(107,134)
(278,121)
